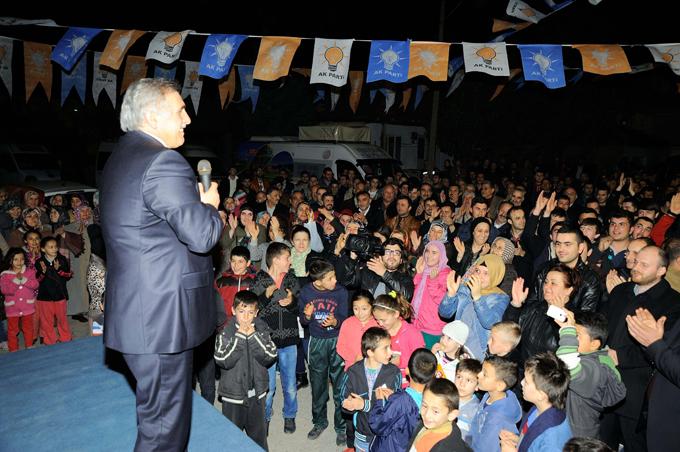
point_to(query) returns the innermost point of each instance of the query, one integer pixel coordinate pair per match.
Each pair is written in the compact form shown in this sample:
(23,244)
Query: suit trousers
(163,395)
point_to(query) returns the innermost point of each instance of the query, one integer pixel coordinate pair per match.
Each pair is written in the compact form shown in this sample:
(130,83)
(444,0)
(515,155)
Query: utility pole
(434,118)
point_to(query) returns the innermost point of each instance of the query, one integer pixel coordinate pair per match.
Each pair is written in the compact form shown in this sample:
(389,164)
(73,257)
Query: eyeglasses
(395,252)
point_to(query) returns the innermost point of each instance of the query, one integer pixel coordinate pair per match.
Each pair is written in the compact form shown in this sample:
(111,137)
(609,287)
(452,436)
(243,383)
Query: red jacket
(228,284)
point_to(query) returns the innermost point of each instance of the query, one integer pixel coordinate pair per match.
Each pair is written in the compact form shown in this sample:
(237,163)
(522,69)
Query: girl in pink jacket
(351,330)
(18,284)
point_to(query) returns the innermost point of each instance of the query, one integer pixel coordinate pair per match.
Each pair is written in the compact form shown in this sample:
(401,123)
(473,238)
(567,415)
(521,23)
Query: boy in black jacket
(244,350)
(52,270)
(367,381)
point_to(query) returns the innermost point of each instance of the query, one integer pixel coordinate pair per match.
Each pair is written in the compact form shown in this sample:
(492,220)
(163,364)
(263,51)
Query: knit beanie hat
(456,330)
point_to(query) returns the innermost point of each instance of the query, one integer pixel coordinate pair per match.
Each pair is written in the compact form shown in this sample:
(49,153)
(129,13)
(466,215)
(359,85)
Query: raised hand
(541,202)
(420,264)
(613,279)
(415,239)
(309,310)
(287,300)
(644,328)
(452,283)
(475,286)
(377,266)
(459,246)
(485,249)
(675,204)
(270,291)
(519,293)
(550,206)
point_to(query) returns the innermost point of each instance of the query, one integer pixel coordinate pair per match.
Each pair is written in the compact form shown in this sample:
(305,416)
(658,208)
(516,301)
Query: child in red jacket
(18,284)
(239,277)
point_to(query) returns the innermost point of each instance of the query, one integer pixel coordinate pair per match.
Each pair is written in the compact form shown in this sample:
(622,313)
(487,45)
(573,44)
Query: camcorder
(365,246)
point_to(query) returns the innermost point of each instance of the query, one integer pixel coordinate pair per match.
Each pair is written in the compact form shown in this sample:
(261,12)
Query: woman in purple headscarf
(430,288)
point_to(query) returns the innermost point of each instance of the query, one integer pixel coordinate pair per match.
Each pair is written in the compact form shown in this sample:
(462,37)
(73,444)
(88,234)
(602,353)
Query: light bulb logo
(38,60)
(528,12)
(427,58)
(667,57)
(389,58)
(223,51)
(123,40)
(333,56)
(193,78)
(77,43)
(601,57)
(276,54)
(172,41)
(487,54)
(543,62)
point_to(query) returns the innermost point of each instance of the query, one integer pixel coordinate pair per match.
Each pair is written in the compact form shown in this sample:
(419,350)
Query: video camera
(365,246)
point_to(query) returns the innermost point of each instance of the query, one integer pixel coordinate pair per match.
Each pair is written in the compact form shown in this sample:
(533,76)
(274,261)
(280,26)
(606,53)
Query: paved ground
(278,441)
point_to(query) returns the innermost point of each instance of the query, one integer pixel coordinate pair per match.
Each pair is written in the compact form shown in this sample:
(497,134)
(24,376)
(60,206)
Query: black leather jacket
(354,274)
(588,296)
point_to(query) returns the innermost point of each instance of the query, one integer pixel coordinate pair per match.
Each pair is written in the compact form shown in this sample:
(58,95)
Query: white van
(22,162)
(314,156)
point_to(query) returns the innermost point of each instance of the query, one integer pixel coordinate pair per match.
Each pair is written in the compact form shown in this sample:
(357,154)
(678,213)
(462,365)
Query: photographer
(379,274)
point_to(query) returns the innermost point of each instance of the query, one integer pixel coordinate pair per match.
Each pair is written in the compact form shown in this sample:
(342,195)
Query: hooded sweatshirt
(503,414)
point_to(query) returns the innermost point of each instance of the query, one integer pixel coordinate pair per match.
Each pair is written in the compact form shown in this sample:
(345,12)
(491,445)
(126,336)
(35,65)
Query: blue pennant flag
(543,63)
(77,78)
(320,95)
(248,90)
(72,45)
(371,95)
(388,60)
(218,54)
(166,73)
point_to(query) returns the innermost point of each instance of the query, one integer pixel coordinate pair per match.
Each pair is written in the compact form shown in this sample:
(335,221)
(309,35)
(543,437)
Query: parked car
(23,162)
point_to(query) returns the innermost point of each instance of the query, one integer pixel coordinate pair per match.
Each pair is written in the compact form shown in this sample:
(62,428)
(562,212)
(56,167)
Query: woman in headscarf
(505,249)
(30,222)
(10,218)
(437,231)
(467,253)
(77,241)
(430,288)
(477,300)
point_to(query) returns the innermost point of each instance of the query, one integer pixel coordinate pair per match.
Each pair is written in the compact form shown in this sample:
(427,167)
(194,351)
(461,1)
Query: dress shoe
(288,425)
(315,432)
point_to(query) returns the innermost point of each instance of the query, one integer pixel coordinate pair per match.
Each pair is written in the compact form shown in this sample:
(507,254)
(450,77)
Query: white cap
(456,330)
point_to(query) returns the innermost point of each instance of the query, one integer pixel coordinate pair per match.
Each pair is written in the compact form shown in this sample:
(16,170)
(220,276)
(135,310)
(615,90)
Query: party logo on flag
(117,46)
(103,80)
(669,54)
(543,63)
(520,10)
(603,59)
(274,57)
(72,45)
(166,46)
(388,60)
(331,61)
(218,54)
(75,78)
(37,68)
(490,58)
(193,85)
(429,59)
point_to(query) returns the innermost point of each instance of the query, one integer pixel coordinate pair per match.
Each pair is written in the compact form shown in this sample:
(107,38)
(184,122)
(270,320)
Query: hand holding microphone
(206,188)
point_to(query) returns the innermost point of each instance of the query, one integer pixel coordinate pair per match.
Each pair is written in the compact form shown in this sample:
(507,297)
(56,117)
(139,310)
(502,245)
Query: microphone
(204,169)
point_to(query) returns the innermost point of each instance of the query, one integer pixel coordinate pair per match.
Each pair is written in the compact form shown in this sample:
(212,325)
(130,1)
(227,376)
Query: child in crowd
(595,382)
(546,427)
(366,381)
(395,422)
(349,338)
(466,383)
(451,349)
(391,312)
(240,276)
(503,340)
(244,350)
(52,270)
(324,306)
(18,284)
(499,408)
(437,432)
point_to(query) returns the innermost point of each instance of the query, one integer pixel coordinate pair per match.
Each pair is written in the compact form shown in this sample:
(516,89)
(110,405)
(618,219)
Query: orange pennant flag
(37,68)
(603,59)
(502,25)
(227,88)
(406,98)
(430,59)
(356,82)
(501,86)
(135,68)
(274,57)
(117,47)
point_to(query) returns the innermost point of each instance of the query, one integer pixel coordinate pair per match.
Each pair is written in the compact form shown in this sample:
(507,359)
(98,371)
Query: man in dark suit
(158,228)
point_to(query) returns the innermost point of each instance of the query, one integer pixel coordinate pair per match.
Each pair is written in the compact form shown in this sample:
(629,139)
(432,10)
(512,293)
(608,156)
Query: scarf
(508,249)
(496,273)
(420,289)
(297,261)
(441,225)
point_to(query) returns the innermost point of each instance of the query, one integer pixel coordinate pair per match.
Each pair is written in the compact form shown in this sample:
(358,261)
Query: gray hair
(142,95)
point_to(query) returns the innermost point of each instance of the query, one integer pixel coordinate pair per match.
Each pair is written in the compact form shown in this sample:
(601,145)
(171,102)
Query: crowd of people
(486,306)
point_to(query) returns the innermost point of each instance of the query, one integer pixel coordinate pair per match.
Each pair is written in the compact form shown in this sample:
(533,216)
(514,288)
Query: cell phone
(556,313)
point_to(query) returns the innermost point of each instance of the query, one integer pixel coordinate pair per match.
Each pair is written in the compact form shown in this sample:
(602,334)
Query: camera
(365,246)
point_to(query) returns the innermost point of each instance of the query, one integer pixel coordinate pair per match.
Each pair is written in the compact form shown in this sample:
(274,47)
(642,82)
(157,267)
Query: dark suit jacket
(159,280)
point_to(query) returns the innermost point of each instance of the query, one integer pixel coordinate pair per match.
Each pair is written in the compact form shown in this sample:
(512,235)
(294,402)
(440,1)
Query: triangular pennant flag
(356,81)
(669,54)
(456,80)
(72,45)
(103,79)
(490,58)
(420,92)
(227,88)
(303,71)
(193,85)
(390,96)
(320,95)
(603,59)
(167,73)
(578,75)
(371,95)
(76,78)
(6,51)
(37,68)
(248,89)
(166,46)
(335,95)
(117,47)
(330,64)
(501,86)
(455,64)
(388,60)
(135,68)
(405,98)
(502,25)
(274,57)
(218,54)
(429,59)
(520,10)
(543,63)
(517,27)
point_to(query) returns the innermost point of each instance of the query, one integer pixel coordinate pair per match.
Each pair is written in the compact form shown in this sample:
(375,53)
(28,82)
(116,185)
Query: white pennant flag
(166,46)
(390,96)
(669,54)
(331,61)
(6,45)
(490,58)
(192,83)
(520,10)
(103,79)
(334,99)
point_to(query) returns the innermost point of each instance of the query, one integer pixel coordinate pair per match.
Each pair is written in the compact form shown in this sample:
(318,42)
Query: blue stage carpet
(64,398)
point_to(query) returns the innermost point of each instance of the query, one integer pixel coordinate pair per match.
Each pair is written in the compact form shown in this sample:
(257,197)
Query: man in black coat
(649,290)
